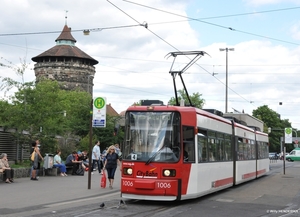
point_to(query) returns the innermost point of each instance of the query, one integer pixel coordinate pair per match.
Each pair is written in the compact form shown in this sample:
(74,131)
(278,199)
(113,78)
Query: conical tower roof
(66,35)
(65,47)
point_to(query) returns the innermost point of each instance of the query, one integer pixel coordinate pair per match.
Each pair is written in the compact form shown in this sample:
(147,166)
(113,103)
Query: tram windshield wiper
(155,154)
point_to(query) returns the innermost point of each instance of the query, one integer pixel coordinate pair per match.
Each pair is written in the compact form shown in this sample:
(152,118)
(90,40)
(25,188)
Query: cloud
(268,2)
(295,31)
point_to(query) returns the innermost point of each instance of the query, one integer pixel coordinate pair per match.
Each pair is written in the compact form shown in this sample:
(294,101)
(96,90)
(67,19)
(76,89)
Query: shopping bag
(32,157)
(103,180)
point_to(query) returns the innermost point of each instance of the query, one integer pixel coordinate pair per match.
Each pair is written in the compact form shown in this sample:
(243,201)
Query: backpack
(80,172)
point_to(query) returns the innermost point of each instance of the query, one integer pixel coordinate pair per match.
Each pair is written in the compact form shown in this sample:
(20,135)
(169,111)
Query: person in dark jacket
(110,164)
(72,161)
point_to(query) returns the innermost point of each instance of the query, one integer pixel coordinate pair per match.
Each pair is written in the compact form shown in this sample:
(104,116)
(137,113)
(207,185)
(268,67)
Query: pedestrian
(74,163)
(35,163)
(103,155)
(84,158)
(39,163)
(96,157)
(110,165)
(58,163)
(8,172)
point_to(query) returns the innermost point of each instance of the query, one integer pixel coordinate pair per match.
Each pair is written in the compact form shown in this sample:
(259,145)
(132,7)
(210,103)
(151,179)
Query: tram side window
(228,150)
(211,146)
(188,144)
(259,154)
(240,149)
(263,150)
(253,150)
(245,149)
(211,149)
(266,150)
(220,156)
(202,146)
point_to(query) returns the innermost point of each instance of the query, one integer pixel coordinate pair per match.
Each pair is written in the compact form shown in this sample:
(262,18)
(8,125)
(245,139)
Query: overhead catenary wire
(78,30)
(221,26)
(179,50)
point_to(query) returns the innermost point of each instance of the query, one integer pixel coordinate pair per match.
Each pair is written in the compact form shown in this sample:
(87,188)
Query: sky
(263,69)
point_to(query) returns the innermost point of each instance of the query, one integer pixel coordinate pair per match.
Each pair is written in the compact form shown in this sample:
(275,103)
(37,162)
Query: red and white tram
(177,153)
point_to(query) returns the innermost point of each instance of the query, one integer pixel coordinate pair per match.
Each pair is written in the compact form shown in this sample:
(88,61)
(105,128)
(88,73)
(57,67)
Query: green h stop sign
(99,102)
(288,130)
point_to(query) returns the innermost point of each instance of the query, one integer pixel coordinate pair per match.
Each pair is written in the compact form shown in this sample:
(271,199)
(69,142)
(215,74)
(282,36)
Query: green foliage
(45,111)
(106,135)
(272,120)
(137,103)
(58,118)
(195,99)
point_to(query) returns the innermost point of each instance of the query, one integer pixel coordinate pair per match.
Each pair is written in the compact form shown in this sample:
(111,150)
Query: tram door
(188,144)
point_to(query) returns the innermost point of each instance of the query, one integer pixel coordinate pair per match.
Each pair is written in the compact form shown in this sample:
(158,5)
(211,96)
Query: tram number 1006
(127,183)
(163,185)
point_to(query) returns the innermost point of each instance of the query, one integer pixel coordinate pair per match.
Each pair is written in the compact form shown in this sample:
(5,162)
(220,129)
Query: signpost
(99,112)
(288,138)
(97,119)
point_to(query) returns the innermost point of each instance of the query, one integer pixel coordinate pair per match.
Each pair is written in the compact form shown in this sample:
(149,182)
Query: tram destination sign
(99,112)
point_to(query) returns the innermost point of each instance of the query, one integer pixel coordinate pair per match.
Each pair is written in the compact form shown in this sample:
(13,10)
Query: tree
(272,120)
(195,98)
(137,103)
(46,111)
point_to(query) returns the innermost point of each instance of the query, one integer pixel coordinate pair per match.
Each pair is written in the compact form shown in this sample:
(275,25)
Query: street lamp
(226,91)
(88,86)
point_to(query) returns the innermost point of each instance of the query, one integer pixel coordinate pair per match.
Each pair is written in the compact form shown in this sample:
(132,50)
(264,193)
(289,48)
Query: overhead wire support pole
(198,54)
(90,143)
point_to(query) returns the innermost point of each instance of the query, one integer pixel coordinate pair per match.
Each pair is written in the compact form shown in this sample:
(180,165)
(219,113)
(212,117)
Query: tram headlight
(169,173)
(127,171)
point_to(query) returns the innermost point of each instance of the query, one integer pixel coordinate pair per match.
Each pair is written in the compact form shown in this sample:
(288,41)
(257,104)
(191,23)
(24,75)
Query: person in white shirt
(96,156)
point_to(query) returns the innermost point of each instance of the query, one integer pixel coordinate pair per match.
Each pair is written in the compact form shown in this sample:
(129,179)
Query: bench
(54,171)
(1,174)
(69,169)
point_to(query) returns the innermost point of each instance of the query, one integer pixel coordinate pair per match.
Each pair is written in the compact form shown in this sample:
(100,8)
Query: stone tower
(66,63)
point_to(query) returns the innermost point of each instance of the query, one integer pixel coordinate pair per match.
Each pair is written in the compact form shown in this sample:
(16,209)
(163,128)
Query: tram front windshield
(152,137)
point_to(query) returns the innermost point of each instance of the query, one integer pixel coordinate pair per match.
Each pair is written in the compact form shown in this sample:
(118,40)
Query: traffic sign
(288,135)
(99,112)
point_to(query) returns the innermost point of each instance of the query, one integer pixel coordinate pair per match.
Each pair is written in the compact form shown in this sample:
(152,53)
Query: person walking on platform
(96,156)
(110,164)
